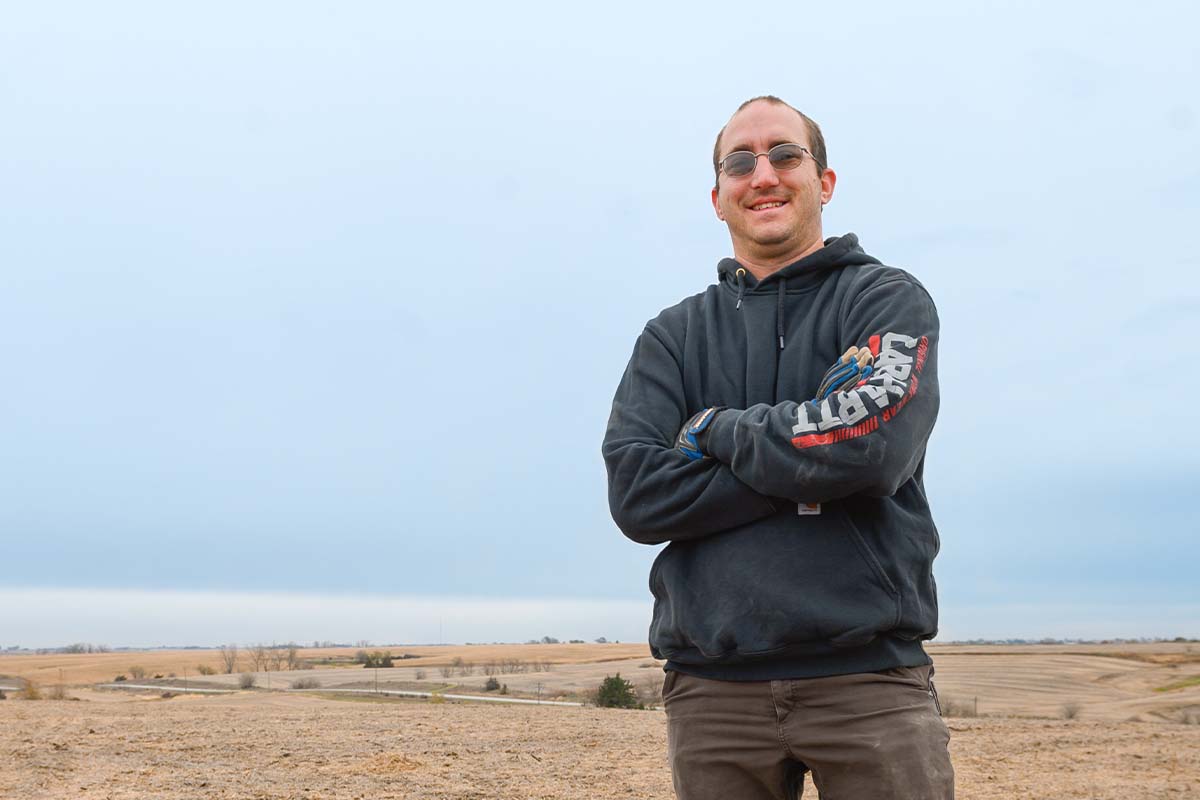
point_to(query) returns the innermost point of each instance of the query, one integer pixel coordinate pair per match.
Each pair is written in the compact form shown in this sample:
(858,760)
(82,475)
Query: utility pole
(377,680)
(185,679)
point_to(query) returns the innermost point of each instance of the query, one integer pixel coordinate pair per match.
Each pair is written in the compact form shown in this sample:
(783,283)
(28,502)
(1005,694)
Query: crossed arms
(867,439)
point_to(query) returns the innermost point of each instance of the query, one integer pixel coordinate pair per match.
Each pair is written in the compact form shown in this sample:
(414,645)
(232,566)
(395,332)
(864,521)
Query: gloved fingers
(836,377)
(855,365)
(686,442)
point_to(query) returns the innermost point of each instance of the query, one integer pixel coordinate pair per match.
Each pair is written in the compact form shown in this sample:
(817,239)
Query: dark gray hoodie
(803,546)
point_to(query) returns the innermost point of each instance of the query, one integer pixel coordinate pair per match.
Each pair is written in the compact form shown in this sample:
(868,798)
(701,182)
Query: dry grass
(1183,684)
(88,668)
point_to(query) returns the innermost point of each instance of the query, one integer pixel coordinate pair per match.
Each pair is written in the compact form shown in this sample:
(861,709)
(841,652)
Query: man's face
(762,230)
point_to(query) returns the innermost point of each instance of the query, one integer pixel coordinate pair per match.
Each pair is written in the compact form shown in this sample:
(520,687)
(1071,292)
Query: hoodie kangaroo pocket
(787,584)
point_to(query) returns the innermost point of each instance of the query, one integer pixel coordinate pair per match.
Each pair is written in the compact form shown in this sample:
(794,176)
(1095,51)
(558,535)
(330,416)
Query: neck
(761,264)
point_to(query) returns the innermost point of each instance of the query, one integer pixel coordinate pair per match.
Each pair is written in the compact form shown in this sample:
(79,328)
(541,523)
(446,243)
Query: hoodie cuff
(717,441)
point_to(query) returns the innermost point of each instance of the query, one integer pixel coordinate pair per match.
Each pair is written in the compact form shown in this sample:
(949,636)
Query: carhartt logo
(859,411)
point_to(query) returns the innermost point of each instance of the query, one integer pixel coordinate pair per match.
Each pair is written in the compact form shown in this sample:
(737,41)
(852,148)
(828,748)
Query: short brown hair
(815,139)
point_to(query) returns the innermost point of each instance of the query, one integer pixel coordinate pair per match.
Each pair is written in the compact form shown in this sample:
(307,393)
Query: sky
(326,306)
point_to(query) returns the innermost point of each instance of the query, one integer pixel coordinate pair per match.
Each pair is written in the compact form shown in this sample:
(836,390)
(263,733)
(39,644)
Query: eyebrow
(747,148)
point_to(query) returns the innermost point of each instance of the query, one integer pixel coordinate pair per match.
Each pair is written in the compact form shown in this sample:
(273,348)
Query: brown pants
(869,736)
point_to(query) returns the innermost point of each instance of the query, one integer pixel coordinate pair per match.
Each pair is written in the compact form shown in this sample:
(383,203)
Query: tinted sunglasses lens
(786,156)
(738,164)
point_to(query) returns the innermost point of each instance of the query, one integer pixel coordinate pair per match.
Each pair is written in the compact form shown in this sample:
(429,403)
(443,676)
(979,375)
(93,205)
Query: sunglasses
(782,157)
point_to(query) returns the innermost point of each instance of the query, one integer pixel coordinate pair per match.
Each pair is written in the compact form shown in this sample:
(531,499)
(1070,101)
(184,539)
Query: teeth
(767,205)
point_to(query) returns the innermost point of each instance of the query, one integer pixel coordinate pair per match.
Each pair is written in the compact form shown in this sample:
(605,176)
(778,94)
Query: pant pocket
(933,693)
(669,683)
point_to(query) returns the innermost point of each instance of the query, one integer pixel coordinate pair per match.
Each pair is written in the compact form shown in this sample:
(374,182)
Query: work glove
(686,441)
(855,365)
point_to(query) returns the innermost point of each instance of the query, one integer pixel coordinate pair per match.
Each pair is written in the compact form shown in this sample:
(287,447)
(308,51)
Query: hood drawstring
(779,311)
(740,274)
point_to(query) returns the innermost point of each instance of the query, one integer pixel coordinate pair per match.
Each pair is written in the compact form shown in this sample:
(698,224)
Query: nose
(764,174)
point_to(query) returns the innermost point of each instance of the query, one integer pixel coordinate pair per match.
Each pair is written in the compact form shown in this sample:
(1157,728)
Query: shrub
(137,672)
(31,691)
(376,659)
(491,685)
(952,707)
(1070,710)
(504,688)
(306,683)
(118,679)
(419,675)
(3,696)
(616,692)
(58,692)
(167,695)
(205,669)
(246,681)
(649,689)
(436,698)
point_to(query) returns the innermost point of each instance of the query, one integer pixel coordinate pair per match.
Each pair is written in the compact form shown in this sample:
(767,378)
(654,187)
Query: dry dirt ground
(259,745)
(1130,737)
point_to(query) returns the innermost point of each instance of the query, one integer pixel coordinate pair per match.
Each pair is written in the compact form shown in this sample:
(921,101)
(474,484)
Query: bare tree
(293,655)
(258,654)
(229,657)
(276,659)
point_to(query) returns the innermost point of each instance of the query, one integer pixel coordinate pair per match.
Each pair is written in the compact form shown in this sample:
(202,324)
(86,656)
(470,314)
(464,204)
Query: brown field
(87,668)
(1134,733)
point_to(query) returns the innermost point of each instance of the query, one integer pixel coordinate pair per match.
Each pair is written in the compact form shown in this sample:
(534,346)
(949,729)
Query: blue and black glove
(855,365)
(686,441)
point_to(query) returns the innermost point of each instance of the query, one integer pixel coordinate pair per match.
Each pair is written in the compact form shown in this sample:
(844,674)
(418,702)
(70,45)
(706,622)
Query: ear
(828,181)
(717,205)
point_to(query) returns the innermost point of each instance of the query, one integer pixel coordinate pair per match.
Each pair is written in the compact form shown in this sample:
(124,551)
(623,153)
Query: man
(772,429)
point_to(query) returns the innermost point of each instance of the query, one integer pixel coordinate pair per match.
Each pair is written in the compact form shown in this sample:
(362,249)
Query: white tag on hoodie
(808,509)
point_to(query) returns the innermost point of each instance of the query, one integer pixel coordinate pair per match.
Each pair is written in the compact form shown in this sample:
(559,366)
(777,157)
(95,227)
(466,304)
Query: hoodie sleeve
(867,440)
(655,492)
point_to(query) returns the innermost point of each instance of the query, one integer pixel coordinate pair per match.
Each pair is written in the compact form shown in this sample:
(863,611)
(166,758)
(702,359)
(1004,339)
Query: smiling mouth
(767,205)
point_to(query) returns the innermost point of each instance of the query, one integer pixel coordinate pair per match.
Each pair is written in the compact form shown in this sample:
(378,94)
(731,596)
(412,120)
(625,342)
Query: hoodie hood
(838,252)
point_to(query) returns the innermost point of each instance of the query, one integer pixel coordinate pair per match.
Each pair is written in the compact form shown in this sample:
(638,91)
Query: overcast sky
(332,300)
